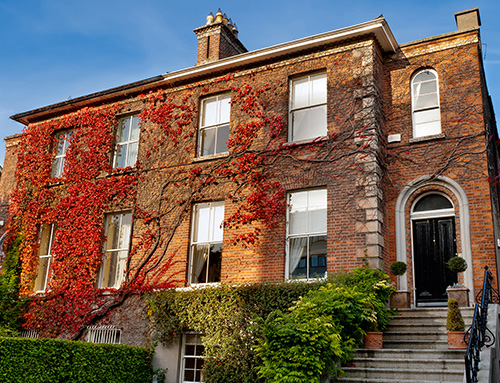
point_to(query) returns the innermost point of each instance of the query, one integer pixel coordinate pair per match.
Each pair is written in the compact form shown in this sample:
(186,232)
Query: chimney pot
(210,18)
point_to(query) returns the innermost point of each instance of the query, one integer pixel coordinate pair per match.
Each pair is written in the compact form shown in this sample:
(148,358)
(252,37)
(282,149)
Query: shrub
(53,360)
(457,264)
(398,268)
(11,306)
(324,327)
(454,320)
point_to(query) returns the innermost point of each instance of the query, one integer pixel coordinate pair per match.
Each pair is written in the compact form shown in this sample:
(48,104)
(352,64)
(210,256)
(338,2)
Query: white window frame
(124,144)
(61,144)
(42,280)
(211,241)
(309,107)
(197,343)
(120,262)
(219,123)
(418,112)
(308,233)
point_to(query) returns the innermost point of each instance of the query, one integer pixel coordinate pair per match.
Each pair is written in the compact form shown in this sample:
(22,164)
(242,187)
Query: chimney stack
(217,39)
(468,19)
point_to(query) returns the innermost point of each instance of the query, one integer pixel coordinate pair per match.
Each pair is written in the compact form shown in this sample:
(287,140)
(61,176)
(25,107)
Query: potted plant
(373,338)
(458,291)
(399,298)
(455,326)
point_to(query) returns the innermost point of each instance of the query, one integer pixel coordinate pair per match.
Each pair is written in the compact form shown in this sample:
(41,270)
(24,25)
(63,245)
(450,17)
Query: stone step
(415,374)
(429,344)
(405,364)
(393,335)
(411,354)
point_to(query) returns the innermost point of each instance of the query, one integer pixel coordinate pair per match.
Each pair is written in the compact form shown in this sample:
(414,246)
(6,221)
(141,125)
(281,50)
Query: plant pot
(373,339)
(400,299)
(461,294)
(456,340)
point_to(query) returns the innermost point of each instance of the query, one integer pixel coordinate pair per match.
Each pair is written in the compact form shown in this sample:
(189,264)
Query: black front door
(433,245)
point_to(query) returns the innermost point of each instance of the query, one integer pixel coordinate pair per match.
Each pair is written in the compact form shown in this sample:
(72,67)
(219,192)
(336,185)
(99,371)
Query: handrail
(478,334)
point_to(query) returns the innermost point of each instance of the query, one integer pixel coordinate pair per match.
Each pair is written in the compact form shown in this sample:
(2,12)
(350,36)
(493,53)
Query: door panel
(433,245)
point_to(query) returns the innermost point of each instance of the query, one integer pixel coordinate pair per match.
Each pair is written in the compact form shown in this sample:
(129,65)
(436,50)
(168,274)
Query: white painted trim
(463,209)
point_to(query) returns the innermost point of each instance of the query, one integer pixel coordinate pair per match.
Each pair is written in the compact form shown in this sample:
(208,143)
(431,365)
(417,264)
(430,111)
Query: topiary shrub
(457,264)
(454,320)
(398,268)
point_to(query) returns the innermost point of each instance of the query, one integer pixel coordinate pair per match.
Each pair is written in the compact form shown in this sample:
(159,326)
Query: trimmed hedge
(54,360)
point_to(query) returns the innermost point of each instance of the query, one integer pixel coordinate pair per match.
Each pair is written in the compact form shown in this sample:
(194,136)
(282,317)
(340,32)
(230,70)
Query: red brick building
(382,152)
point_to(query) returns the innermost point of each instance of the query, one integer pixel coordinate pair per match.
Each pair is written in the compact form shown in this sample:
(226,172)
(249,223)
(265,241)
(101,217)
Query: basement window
(103,334)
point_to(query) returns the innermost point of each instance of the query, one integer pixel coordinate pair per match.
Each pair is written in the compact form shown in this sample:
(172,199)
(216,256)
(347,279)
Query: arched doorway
(434,243)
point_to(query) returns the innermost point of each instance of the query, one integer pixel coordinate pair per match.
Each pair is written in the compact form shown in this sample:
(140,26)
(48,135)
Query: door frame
(402,219)
(428,215)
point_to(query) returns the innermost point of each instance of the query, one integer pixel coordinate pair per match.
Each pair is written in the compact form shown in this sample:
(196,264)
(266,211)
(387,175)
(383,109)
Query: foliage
(454,320)
(11,307)
(398,268)
(53,360)
(324,327)
(328,321)
(230,317)
(457,264)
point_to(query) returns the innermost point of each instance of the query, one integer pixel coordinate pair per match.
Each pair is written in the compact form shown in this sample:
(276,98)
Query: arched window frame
(419,130)
(448,212)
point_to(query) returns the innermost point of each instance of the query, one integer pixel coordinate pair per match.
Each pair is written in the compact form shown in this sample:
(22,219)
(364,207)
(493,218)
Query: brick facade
(372,184)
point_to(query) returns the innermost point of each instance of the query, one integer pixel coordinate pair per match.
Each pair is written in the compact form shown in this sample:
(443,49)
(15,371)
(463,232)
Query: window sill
(211,157)
(197,286)
(427,138)
(306,141)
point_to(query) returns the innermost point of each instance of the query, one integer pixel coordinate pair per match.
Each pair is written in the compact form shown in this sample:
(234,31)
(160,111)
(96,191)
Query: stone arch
(404,202)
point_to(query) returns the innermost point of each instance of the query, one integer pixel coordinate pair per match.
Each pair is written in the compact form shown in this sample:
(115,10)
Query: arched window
(425,103)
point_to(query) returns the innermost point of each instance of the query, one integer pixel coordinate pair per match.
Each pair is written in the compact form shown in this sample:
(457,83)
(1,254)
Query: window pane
(300,121)
(218,214)
(318,89)
(300,93)
(298,257)
(222,138)
(214,262)
(42,273)
(433,202)
(426,101)
(298,213)
(202,223)
(124,130)
(424,76)
(136,130)
(132,153)
(126,225)
(209,112)
(208,141)
(317,122)
(425,88)
(120,152)
(199,267)
(225,109)
(61,143)
(427,129)
(317,211)
(317,254)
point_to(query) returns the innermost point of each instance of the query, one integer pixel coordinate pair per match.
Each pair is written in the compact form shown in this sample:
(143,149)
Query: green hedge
(53,360)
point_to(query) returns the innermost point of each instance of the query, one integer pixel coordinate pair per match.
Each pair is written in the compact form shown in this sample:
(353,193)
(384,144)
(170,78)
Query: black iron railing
(478,335)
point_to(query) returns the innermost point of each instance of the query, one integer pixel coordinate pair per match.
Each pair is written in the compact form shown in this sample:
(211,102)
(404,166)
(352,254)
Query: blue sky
(53,50)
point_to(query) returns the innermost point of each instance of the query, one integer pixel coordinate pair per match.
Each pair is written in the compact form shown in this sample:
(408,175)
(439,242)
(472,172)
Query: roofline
(378,27)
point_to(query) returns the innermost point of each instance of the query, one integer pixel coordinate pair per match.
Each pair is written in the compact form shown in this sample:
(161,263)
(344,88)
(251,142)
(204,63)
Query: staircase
(415,351)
